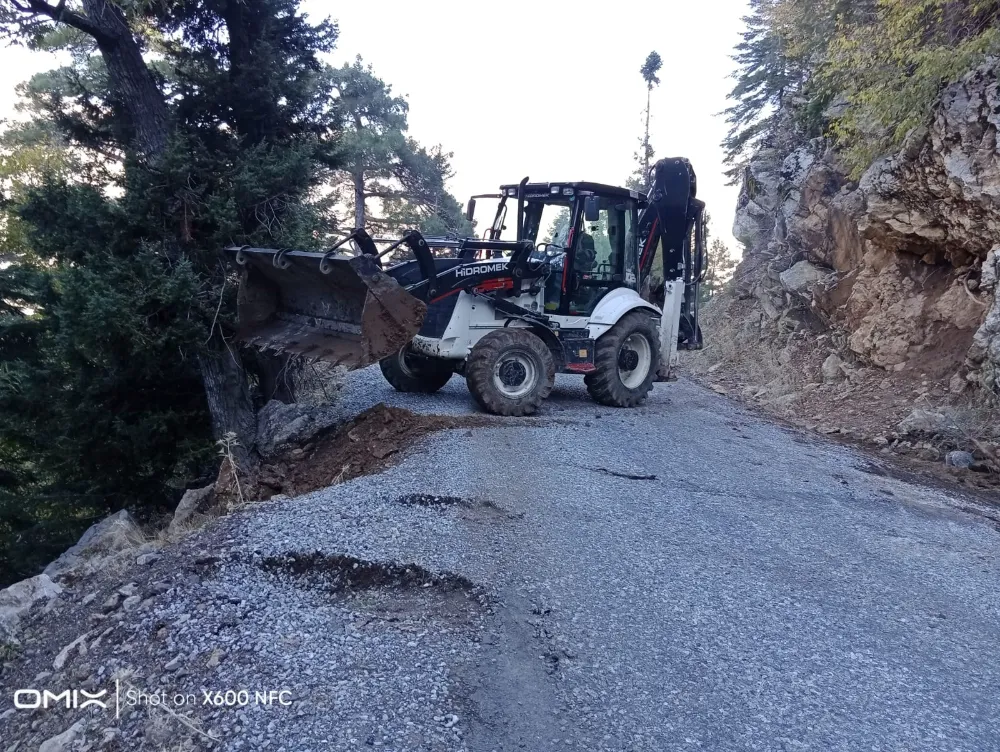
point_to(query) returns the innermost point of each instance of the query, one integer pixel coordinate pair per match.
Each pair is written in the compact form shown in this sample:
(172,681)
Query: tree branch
(59,14)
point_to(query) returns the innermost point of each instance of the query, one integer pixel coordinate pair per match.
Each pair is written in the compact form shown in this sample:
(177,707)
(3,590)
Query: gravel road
(683,575)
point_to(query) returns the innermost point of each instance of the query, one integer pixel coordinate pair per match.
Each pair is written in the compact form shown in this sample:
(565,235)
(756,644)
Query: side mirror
(470,212)
(592,208)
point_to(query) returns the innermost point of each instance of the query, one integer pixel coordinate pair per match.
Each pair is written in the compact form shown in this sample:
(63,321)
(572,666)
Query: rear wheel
(625,361)
(408,372)
(510,372)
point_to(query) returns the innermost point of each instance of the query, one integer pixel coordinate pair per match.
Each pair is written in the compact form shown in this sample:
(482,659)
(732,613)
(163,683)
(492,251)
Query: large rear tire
(412,373)
(626,360)
(510,372)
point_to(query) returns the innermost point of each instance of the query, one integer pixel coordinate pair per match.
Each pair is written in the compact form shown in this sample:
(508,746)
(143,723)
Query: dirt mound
(367,444)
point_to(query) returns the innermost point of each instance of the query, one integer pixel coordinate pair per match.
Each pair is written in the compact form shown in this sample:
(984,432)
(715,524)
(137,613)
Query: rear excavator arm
(671,234)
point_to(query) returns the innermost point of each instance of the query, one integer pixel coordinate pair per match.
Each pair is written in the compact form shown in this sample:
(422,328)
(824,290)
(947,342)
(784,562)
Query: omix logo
(32,699)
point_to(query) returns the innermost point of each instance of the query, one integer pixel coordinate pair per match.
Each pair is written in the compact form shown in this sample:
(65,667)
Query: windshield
(546,222)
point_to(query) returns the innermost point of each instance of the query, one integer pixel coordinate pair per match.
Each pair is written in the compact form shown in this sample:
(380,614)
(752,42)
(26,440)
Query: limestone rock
(111,535)
(802,277)
(925,421)
(18,599)
(833,369)
(64,741)
(904,240)
(194,502)
(281,426)
(985,351)
(79,644)
(962,460)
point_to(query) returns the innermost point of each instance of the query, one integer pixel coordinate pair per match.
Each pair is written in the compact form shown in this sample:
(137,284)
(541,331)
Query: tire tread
(604,384)
(479,372)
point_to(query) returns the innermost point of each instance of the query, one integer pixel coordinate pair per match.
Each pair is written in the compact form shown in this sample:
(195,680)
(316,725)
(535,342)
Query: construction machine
(597,280)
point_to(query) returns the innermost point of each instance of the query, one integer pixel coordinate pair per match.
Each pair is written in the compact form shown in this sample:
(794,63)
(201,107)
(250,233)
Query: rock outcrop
(112,535)
(17,600)
(900,265)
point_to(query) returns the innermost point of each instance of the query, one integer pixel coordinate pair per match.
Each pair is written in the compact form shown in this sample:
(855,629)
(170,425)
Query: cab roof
(536,189)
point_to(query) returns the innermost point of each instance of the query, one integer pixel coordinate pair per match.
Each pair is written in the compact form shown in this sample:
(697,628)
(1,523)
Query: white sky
(546,89)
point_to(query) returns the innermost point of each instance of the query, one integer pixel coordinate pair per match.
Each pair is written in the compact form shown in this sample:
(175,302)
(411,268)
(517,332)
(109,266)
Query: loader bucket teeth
(341,309)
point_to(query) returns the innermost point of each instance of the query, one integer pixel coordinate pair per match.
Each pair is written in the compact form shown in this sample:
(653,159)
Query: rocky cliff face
(900,266)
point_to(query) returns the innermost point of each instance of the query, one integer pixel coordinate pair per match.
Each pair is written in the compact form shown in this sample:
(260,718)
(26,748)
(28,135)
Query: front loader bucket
(341,309)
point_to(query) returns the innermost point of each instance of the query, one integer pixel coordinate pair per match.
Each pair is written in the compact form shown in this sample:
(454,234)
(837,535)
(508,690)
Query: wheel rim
(635,359)
(515,375)
(404,366)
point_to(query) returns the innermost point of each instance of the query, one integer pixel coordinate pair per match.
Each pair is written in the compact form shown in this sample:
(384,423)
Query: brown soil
(373,441)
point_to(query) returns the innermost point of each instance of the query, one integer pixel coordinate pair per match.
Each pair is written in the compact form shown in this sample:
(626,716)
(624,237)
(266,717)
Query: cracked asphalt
(685,575)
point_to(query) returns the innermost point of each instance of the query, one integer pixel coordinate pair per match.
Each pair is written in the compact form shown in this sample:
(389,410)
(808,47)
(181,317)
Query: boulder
(802,277)
(925,421)
(962,460)
(984,355)
(196,501)
(64,741)
(281,426)
(833,369)
(17,600)
(111,535)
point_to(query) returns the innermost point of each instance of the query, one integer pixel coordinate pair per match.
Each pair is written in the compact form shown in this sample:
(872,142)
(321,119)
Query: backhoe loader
(598,280)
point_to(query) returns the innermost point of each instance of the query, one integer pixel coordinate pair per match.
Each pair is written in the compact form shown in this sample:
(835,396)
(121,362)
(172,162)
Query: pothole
(347,574)
(430,500)
(468,509)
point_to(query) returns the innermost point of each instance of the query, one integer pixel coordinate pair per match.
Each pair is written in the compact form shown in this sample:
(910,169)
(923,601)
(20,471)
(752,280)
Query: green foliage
(892,64)
(765,78)
(721,266)
(650,68)
(382,166)
(102,409)
(886,59)
(639,179)
(111,283)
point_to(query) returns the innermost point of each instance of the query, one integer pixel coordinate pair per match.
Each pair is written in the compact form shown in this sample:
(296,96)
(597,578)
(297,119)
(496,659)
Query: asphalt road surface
(684,575)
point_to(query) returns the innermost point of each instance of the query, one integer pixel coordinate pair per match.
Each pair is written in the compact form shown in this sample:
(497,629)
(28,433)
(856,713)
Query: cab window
(599,257)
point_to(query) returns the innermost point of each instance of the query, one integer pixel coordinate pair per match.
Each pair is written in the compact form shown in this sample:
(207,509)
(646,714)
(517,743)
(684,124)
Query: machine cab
(587,233)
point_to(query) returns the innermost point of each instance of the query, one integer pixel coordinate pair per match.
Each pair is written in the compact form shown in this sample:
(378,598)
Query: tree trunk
(645,144)
(230,403)
(132,82)
(359,198)
(276,374)
(145,111)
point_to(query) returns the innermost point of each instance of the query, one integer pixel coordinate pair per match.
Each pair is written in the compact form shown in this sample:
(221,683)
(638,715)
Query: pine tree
(639,179)
(383,166)
(719,271)
(117,364)
(764,78)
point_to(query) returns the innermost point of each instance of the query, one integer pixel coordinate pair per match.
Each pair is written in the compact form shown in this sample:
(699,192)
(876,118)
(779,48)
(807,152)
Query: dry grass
(733,340)
(318,384)
(121,546)
(235,495)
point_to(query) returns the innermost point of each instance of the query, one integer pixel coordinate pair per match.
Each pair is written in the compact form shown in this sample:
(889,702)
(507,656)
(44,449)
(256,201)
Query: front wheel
(408,372)
(625,362)
(510,372)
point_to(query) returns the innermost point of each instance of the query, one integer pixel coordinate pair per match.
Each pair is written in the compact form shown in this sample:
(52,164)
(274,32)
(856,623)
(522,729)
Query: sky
(545,89)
